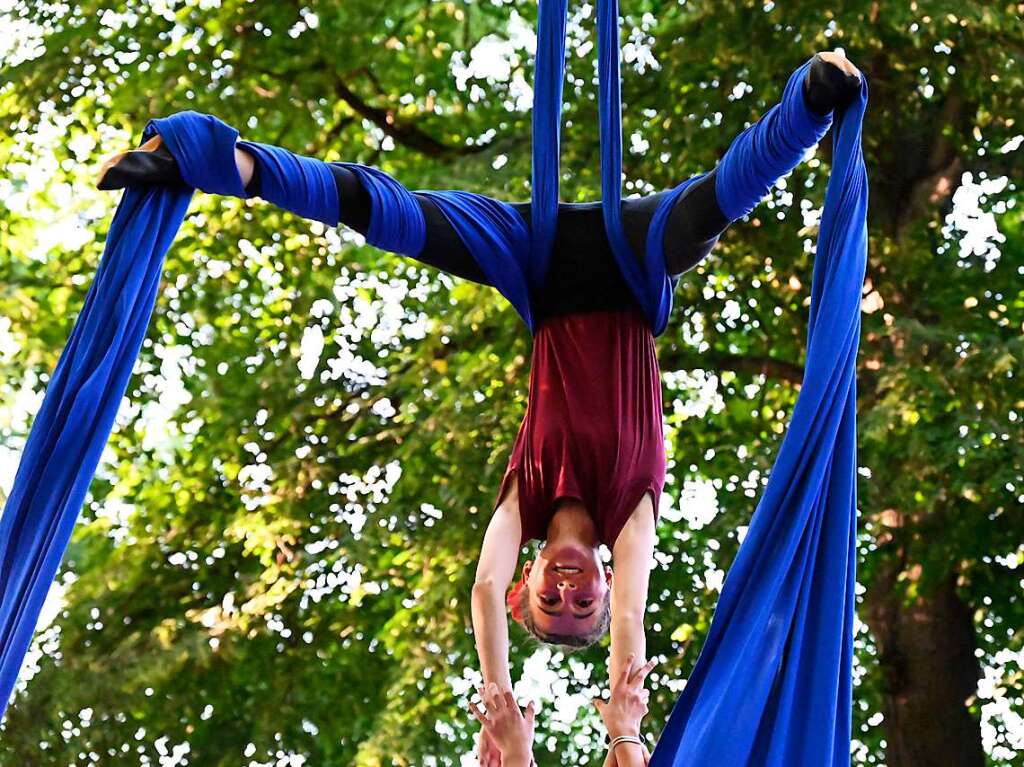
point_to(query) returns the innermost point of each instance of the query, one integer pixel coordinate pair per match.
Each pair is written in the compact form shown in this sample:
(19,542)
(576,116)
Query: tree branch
(738,363)
(406,134)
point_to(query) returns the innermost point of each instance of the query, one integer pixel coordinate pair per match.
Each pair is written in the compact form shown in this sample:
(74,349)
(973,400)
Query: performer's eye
(548,601)
(585,602)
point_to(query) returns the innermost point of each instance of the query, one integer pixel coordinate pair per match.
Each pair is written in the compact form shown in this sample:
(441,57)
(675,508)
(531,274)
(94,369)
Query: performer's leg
(443,248)
(296,183)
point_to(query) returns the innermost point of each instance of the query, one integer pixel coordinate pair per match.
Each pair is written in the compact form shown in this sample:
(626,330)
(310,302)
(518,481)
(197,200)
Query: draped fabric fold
(772,685)
(72,426)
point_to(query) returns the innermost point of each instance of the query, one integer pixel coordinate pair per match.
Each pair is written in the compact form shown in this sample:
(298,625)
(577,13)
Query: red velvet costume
(593,423)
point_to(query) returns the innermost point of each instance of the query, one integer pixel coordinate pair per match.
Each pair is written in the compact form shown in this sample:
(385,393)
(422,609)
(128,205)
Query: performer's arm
(443,248)
(632,558)
(495,569)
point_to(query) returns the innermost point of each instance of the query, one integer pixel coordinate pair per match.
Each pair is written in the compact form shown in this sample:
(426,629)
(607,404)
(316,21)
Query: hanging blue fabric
(73,425)
(772,686)
(546,113)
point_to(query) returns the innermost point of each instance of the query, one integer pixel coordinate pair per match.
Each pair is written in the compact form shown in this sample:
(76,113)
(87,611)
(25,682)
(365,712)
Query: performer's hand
(150,164)
(627,704)
(840,61)
(510,728)
(488,753)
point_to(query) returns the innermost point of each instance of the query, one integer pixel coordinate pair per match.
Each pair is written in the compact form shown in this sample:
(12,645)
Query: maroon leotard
(593,424)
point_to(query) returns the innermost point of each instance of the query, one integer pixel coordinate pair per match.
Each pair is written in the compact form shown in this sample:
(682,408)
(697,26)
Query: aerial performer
(593,283)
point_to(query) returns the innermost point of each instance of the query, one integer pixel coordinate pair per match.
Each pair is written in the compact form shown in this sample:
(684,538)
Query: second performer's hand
(626,707)
(488,753)
(506,726)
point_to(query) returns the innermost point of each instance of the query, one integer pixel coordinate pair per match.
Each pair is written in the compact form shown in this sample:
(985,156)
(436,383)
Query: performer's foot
(831,82)
(150,164)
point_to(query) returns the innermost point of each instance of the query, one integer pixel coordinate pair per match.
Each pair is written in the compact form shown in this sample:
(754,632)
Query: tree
(276,554)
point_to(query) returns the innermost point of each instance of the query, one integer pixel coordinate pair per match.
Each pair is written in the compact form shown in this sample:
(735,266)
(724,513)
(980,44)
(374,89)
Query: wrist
(618,731)
(627,751)
(516,757)
(503,685)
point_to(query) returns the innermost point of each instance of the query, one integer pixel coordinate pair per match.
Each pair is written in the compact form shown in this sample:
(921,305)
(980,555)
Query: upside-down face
(563,596)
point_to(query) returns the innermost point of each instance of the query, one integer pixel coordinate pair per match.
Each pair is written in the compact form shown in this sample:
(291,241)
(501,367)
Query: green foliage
(273,563)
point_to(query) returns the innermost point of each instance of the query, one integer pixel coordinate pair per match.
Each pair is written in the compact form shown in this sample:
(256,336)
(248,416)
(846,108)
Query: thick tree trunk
(926,654)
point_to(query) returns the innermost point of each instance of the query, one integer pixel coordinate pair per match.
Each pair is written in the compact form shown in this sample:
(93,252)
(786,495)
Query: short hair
(519,600)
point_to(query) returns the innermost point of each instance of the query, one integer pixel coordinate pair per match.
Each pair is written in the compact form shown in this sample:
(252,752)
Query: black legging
(583,274)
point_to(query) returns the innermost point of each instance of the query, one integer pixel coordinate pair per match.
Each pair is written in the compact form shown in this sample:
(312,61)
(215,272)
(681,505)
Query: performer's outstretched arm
(495,569)
(632,558)
(442,248)
(701,213)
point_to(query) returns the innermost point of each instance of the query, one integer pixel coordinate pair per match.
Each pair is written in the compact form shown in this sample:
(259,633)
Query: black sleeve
(694,225)
(696,222)
(443,248)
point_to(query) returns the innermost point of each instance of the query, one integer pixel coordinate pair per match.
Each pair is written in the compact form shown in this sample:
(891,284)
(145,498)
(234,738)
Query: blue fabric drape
(73,425)
(772,686)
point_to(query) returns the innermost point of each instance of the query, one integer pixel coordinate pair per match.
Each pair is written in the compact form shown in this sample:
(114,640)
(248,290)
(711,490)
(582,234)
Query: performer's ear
(527,569)
(514,600)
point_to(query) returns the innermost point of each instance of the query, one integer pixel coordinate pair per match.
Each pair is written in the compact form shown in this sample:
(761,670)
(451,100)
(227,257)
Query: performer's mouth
(567,569)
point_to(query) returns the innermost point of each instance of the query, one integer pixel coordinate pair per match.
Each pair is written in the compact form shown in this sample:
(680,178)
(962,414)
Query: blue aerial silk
(773,684)
(772,687)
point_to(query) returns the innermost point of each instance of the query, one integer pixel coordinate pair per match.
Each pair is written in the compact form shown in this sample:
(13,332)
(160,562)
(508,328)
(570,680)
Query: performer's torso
(583,275)
(593,425)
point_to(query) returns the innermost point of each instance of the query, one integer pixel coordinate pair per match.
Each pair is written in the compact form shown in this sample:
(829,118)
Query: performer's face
(567,589)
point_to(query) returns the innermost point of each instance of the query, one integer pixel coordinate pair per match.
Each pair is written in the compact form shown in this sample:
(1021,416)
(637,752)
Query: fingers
(647,756)
(643,671)
(480,716)
(488,754)
(495,700)
(531,713)
(489,695)
(509,701)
